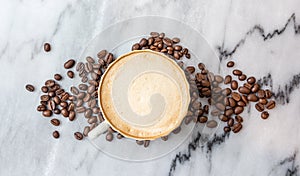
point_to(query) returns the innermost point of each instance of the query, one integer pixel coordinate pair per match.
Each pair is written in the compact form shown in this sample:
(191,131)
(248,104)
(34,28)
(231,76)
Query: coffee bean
(226,91)
(102,54)
(177,47)
(259,107)
(230,64)
(81,95)
(242,77)
(271,104)
(164,138)
(190,69)
(234,85)
(255,88)
(56,111)
(177,130)
(244,99)
(236,96)
(79,66)
(228,79)
(237,127)
(244,90)
(230,122)
(248,86)
(74,90)
(59,91)
(79,103)
(264,115)
(203,119)
(154,34)
(57,77)
(71,107)
(268,93)
(220,106)
(143,42)
(65,96)
(161,35)
(93,126)
(167,42)
(78,135)
(146,143)
(228,112)
(94,76)
(90,59)
(86,131)
(88,67)
(260,93)
(227,129)
(47,113)
(201,66)
(69,64)
(72,115)
(223,117)
(70,74)
(214,112)
(239,118)
(50,83)
(41,108)
(44,89)
(188,119)
(251,80)
(237,72)
(92,119)
(51,105)
(238,110)
(232,102)
(187,55)
(63,104)
(82,87)
(87,97)
(218,78)
(84,79)
(109,58)
(175,40)
(55,134)
(45,97)
(96,110)
(29,87)
(263,101)
(88,113)
(80,109)
(211,124)
(51,94)
(176,55)
(241,103)
(65,112)
(47,47)
(252,97)
(138,142)
(55,122)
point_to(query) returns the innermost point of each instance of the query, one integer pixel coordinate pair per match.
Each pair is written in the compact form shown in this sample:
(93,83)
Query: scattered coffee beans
(29,87)
(78,135)
(55,134)
(47,47)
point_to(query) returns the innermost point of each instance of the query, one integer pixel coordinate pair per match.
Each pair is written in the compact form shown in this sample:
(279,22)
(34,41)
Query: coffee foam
(144,95)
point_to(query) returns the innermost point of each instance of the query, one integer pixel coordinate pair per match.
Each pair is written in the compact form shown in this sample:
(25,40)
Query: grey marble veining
(262,37)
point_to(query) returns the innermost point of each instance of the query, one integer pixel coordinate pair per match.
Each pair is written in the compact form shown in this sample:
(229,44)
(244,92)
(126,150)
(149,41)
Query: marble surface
(261,36)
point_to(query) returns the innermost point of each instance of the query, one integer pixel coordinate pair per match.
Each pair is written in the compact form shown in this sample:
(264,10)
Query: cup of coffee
(143,95)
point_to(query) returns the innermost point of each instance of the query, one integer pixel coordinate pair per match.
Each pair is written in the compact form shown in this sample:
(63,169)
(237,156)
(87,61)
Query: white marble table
(263,37)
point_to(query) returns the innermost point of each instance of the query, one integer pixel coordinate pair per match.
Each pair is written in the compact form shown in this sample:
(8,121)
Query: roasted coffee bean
(230,64)
(92,103)
(251,80)
(102,54)
(226,91)
(241,103)
(248,86)
(228,112)
(138,142)
(84,79)
(86,131)
(259,107)
(203,119)
(88,67)
(109,137)
(223,117)
(218,78)
(220,106)
(50,83)
(96,110)
(143,42)
(146,143)
(271,104)
(71,107)
(74,90)
(51,105)
(47,113)
(29,87)
(176,55)
(242,77)
(57,77)
(234,85)
(237,127)
(170,52)
(154,34)
(44,103)
(263,101)
(93,126)
(150,41)
(187,55)
(45,97)
(41,108)
(65,96)
(79,66)
(188,119)
(237,72)
(78,136)
(161,35)
(244,99)
(94,76)
(232,102)
(164,138)
(230,122)
(72,115)
(244,90)
(79,103)
(92,119)
(238,110)
(227,129)
(211,124)
(87,97)
(70,74)
(55,122)
(268,93)
(260,93)
(69,64)
(47,47)
(80,109)
(201,66)
(252,97)
(175,40)
(51,93)
(82,87)
(177,130)
(264,115)
(215,112)
(44,89)
(255,88)
(236,96)
(72,98)
(96,66)
(59,91)
(90,59)
(56,111)
(239,118)
(65,112)
(55,134)
(177,47)
(63,104)
(228,79)
(88,113)
(190,69)
(167,42)
(81,95)
(205,109)
(109,58)
(93,82)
